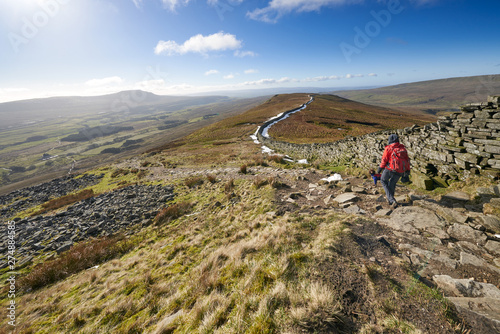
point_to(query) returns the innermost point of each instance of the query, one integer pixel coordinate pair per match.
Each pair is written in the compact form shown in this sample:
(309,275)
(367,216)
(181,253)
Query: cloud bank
(200,44)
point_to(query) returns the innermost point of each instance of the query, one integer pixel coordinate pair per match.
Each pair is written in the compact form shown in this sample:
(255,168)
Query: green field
(21,159)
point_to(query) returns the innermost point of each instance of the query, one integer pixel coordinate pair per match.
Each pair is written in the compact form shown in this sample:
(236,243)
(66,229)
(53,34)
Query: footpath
(452,242)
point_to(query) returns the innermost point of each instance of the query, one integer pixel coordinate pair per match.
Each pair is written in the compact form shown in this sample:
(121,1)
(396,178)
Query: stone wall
(455,147)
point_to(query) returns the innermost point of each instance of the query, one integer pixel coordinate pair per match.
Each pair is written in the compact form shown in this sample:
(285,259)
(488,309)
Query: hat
(393,139)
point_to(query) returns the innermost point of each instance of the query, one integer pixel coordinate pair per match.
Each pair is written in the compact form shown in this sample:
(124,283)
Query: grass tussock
(278,158)
(315,308)
(211,178)
(229,186)
(78,258)
(244,169)
(260,182)
(172,212)
(194,181)
(119,172)
(60,202)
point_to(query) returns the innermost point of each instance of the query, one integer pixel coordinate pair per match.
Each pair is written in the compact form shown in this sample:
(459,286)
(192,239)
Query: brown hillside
(331,118)
(245,124)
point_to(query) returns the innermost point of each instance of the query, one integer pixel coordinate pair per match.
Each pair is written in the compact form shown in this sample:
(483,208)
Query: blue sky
(178,47)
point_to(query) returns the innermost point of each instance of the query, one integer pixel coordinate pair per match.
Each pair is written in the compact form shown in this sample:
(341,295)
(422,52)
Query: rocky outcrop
(478,302)
(101,215)
(447,242)
(22,199)
(455,147)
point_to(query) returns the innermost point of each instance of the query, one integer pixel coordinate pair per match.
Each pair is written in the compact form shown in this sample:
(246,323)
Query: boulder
(457,196)
(491,223)
(354,209)
(465,287)
(493,247)
(465,232)
(413,219)
(483,314)
(492,208)
(422,181)
(346,197)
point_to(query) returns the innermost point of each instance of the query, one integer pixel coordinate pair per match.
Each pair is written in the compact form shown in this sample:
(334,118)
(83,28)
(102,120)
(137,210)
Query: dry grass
(78,258)
(278,158)
(60,202)
(229,186)
(211,178)
(331,118)
(174,211)
(243,169)
(234,269)
(315,307)
(259,182)
(243,125)
(193,181)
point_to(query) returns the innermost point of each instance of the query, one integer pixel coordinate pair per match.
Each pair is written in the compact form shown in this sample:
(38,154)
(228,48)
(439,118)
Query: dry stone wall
(456,146)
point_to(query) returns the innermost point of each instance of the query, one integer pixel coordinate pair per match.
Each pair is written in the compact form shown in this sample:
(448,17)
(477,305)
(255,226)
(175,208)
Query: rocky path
(450,242)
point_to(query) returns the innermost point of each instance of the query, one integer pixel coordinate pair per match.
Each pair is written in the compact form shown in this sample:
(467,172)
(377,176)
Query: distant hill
(430,96)
(329,118)
(18,113)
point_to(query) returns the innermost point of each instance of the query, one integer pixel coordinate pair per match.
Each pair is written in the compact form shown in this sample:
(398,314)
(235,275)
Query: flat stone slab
(482,313)
(469,259)
(383,212)
(358,190)
(467,233)
(458,196)
(491,223)
(346,197)
(465,287)
(354,209)
(493,247)
(413,219)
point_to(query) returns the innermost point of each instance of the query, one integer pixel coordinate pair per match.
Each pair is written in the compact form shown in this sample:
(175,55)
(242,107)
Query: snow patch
(267,150)
(334,177)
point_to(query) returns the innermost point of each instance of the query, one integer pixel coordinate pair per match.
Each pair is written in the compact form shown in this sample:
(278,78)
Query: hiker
(395,163)
(375,177)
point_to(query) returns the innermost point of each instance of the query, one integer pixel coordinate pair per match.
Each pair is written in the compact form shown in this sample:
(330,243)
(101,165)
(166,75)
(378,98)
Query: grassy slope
(231,265)
(331,118)
(433,96)
(239,126)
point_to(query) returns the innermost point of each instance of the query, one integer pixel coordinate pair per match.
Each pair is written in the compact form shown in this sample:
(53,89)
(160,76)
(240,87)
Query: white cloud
(373,75)
(229,76)
(173,4)
(269,81)
(226,2)
(104,81)
(242,54)
(137,3)
(323,78)
(350,76)
(211,72)
(251,71)
(200,44)
(277,8)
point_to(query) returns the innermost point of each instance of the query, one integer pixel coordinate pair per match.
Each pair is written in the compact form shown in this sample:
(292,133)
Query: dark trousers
(389,180)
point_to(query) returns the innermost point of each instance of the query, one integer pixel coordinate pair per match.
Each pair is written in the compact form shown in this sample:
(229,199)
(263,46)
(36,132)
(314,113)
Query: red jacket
(388,153)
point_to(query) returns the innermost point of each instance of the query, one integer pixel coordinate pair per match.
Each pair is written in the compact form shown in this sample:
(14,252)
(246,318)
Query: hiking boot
(394,205)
